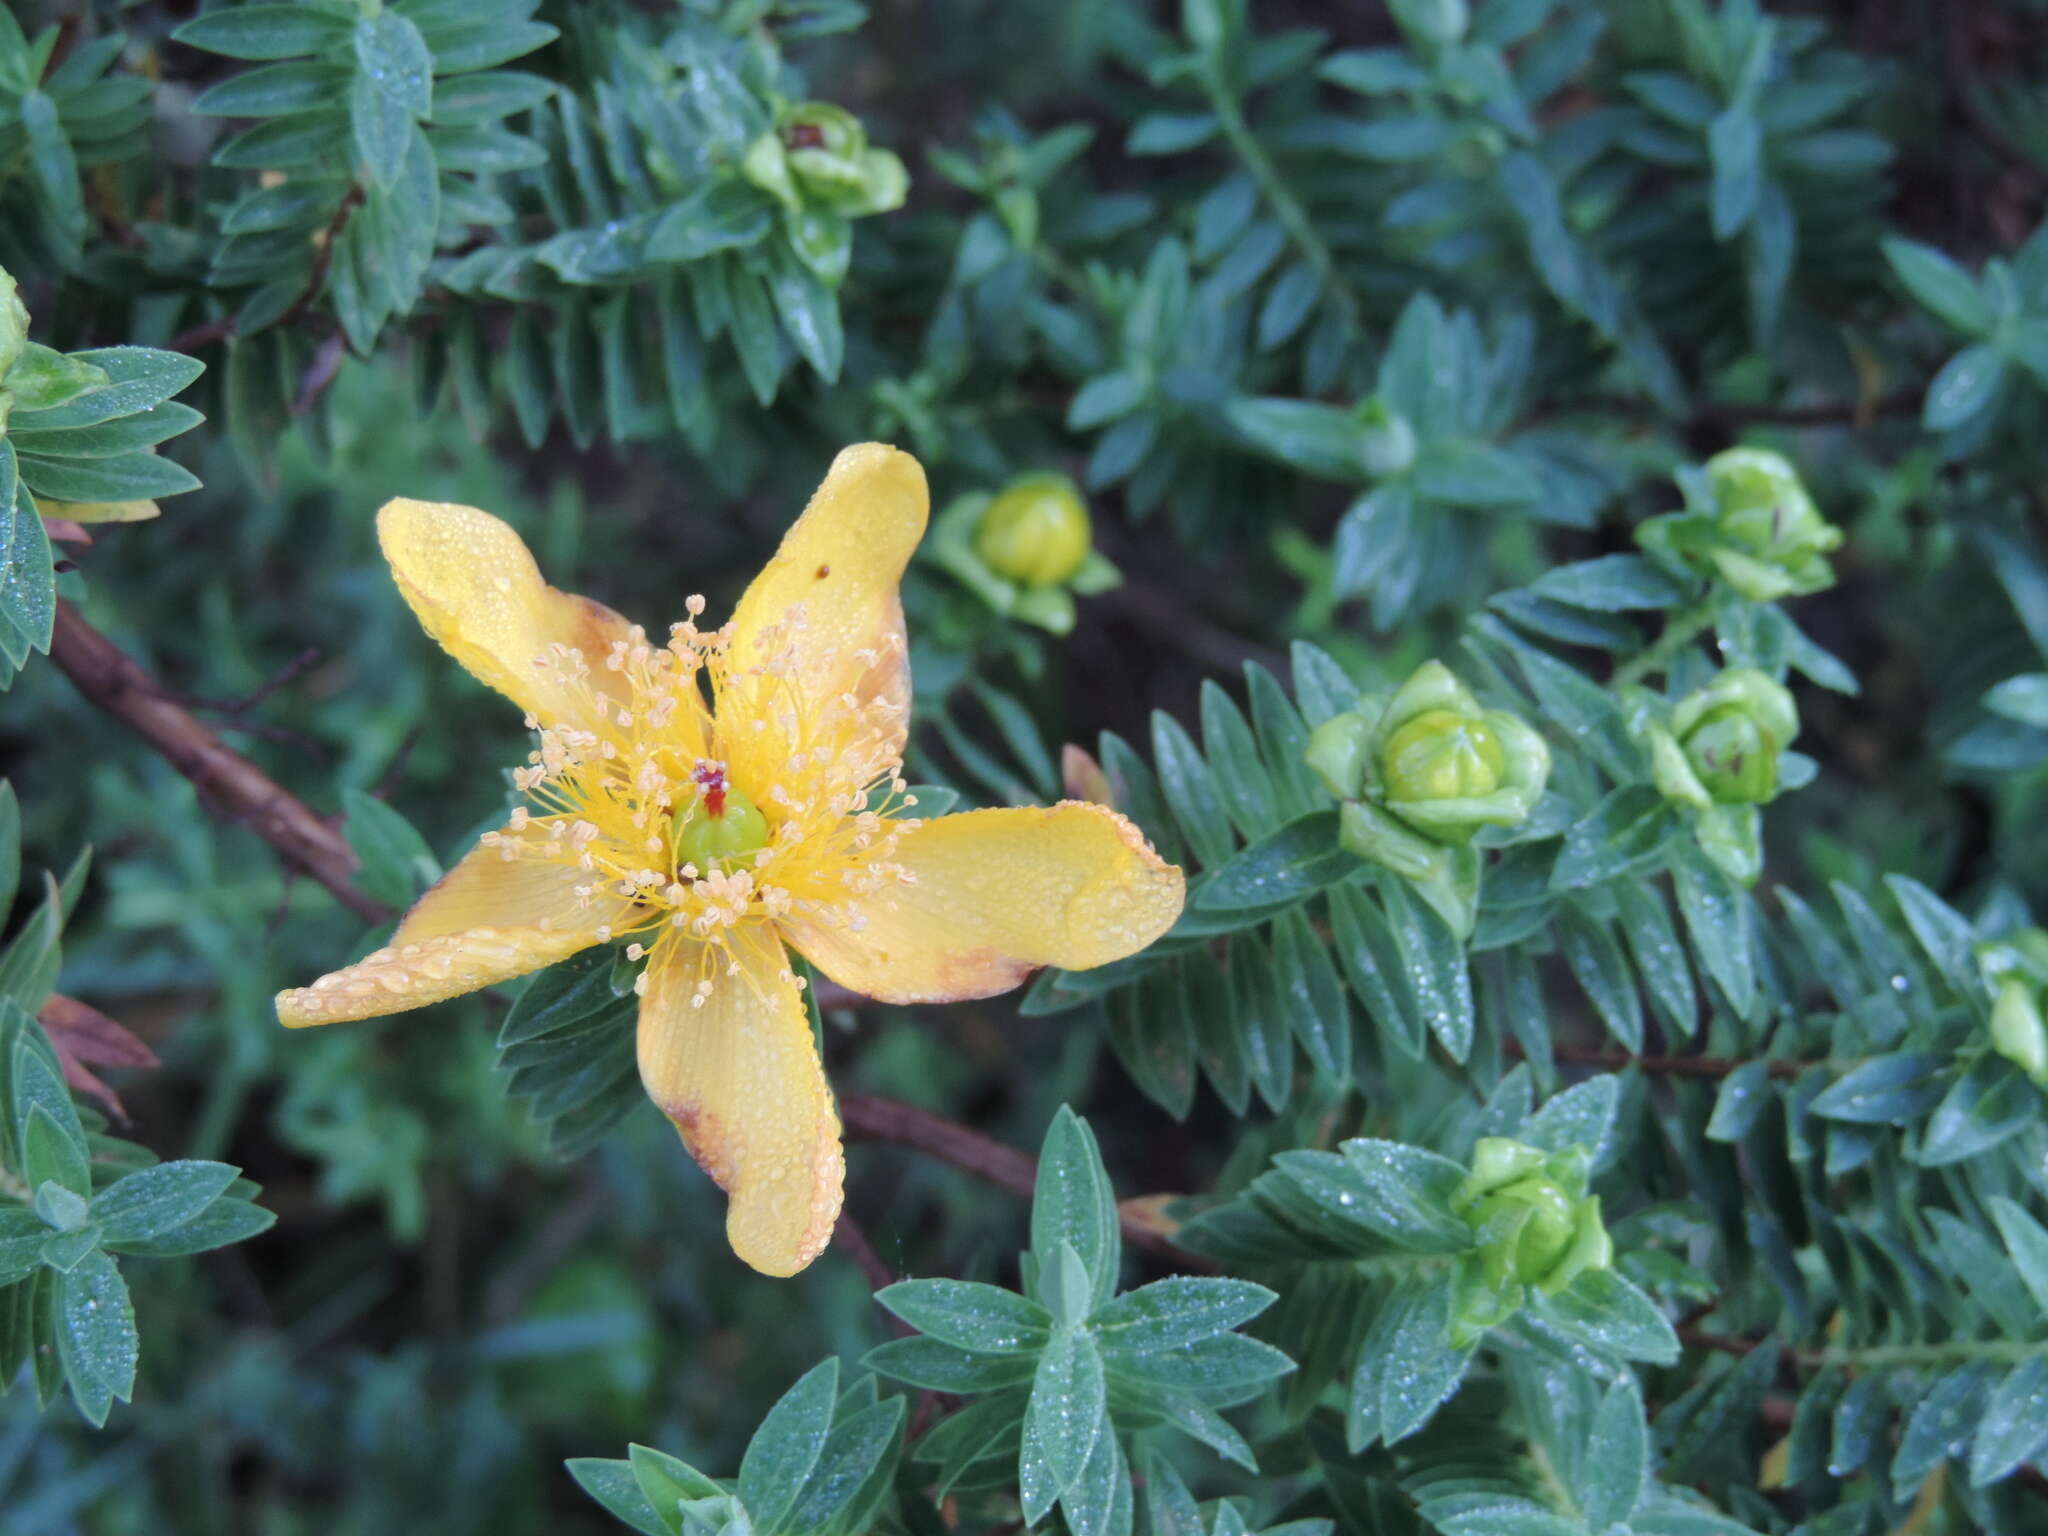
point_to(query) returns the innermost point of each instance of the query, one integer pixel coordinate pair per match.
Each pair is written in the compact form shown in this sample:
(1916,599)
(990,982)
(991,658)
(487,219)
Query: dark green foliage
(1671,1166)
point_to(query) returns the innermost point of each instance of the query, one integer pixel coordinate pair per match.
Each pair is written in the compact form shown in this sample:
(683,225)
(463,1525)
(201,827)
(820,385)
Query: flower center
(697,792)
(721,829)
(1442,755)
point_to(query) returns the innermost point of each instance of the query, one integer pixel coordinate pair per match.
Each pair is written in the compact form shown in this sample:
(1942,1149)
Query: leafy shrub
(1529,504)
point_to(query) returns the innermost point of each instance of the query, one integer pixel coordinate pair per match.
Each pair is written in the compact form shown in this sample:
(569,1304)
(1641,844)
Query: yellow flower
(772,750)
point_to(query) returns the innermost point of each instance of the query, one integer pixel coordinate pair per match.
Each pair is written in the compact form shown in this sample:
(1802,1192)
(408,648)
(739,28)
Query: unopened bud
(1387,445)
(1035,531)
(1440,755)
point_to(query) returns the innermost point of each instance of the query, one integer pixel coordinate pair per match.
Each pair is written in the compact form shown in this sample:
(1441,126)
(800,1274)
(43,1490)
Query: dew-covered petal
(487,920)
(993,895)
(474,585)
(739,1075)
(822,622)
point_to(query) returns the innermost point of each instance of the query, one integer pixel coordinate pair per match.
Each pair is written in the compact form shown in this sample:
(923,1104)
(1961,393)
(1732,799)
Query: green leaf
(300,86)
(1290,864)
(2027,1242)
(1886,1090)
(1185,781)
(393,86)
(612,1484)
(397,863)
(1174,1313)
(1719,919)
(96,1339)
(1965,389)
(1602,970)
(1991,1102)
(28,573)
(1625,831)
(125,477)
(1617,1457)
(159,1198)
(666,1481)
(787,1445)
(22,1235)
(969,1315)
(1939,285)
(1069,1409)
(1072,1203)
(1743,1095)
(1581,1116)
(228,1220)
(264,31)
(1434,964)
(923,1362)
(1607,1314)
(2014,1426)
(1611,584)
(1314,438)
(852,1473)
(1419,1368)
(42,378)
(1735,144)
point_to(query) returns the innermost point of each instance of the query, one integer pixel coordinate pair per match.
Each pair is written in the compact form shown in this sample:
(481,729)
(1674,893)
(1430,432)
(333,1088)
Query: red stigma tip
(710,777)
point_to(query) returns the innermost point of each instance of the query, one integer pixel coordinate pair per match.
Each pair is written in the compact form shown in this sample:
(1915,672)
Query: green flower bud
(1387,445)
(1533,1225)
(1731,732)
(1447,767)
(1337,751)
(1751,522)
(1765,507)
(721,828)
(1035,531)
(2017,1031)
(818,154)
(1442,755)
(13,323)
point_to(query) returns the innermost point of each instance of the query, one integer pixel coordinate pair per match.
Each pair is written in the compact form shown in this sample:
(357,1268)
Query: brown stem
(323,256)
(870,1117)
(236,788)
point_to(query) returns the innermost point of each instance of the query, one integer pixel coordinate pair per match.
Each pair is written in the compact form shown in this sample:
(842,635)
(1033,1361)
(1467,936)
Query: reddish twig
(223,328)
(869,1117)
(236,787)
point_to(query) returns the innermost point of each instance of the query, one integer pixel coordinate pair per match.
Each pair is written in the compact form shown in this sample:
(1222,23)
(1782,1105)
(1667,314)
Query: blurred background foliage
(1351,323)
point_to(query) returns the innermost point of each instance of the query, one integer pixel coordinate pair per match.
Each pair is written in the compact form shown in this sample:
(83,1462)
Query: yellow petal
(487,920)
(740,1077)
(827,596)
(475,587)
(97,511)
(996,895)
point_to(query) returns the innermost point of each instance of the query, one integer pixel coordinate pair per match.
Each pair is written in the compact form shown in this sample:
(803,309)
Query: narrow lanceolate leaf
(786,1446)
(1069,1408)
(1170,1313)
(969,1315)
(1290,864)
(2014,1428)
(96,1339)
(159,1198)
(1073,1203)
